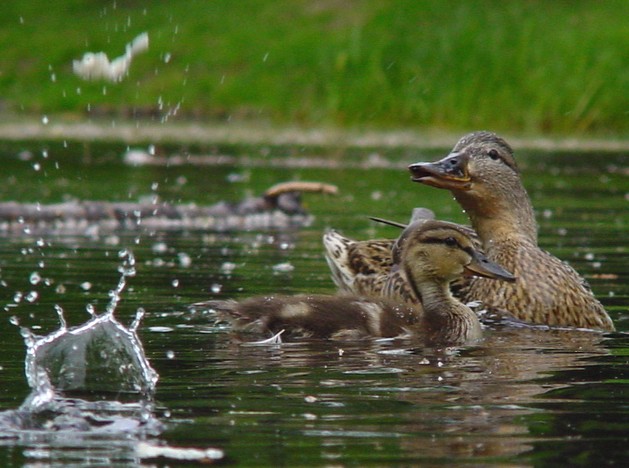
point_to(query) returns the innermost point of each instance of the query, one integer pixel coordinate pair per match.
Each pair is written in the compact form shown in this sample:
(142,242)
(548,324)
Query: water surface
(520,397)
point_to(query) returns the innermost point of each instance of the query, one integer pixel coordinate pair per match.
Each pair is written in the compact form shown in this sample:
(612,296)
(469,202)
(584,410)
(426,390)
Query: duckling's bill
(481,266)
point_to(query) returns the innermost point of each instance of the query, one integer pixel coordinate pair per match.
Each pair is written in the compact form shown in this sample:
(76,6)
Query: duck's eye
(450,241)
(493,154)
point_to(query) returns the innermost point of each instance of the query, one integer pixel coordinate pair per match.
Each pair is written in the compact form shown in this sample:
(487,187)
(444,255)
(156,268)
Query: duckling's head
(482,174)
(438,251)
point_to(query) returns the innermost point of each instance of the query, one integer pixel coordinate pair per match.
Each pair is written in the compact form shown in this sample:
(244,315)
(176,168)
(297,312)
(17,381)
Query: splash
(94,360)
(97,66)
(101,355)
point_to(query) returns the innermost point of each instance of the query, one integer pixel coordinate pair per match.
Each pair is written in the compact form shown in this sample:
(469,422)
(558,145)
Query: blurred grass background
(533,66)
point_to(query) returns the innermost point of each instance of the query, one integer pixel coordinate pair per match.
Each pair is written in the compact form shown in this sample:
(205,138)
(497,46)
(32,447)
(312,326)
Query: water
(520,397)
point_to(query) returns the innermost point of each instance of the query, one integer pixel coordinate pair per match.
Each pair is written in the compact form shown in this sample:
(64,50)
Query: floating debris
(145,450)
(283,267)
(274,340)
(278,208)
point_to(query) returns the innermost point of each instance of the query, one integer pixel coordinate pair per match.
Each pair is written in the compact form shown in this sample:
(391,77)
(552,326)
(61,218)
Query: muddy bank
(247,133)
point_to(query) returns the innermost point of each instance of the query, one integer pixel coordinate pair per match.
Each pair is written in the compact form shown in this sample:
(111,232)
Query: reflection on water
(519,397)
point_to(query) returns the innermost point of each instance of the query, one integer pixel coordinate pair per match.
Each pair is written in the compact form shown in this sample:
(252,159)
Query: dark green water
(521,397)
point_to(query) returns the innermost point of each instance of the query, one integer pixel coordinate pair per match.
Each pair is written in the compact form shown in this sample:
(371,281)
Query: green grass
(526,66)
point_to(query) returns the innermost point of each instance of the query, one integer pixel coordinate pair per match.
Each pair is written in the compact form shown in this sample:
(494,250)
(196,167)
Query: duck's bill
(449,173)
(481,266)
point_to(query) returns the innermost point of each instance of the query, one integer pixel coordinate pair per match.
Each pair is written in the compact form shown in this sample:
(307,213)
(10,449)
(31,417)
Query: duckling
(362,267)
(482,174)
(428,256)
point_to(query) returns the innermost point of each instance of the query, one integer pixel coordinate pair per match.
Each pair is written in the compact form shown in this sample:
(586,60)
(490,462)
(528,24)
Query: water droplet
(17,297)
(283,268)
(35,278)
(216,288)
(184,259)
(37,167)
(159,247)
(151,150)
(139,315)
(90,309)
(62,319)
(228,267)
(175,283)
(170,354)
(25,155)
(86,286)
(32,296)
(14,320)
(44,120)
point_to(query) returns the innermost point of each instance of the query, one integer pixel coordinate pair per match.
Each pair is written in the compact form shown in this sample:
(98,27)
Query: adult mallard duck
(427,257)
(483,176)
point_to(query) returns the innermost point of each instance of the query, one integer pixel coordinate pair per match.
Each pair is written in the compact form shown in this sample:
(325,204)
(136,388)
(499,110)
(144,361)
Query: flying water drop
(35,278)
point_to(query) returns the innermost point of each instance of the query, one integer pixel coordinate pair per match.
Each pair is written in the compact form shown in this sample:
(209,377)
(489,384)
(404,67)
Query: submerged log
(280,206)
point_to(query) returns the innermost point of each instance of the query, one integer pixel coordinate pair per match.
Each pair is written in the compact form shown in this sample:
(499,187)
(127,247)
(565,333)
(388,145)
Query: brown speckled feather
(429,256)
(553,294)
(366,267)
(482,174)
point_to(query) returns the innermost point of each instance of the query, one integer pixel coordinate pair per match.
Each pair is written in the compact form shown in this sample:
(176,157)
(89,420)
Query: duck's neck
(504,217)
(445,318)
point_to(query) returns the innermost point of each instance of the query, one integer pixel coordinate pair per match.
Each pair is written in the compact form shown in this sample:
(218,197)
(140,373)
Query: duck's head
(477,164)
(442,252)
(483,176)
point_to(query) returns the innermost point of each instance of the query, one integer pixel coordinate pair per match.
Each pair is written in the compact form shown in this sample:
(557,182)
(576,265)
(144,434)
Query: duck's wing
(350,259)
(397,288)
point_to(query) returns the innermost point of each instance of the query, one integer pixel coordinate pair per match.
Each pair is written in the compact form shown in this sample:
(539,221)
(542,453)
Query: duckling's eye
(450,241)
(493,154)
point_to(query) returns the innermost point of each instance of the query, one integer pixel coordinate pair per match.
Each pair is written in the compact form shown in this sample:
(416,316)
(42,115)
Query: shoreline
(144,131)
